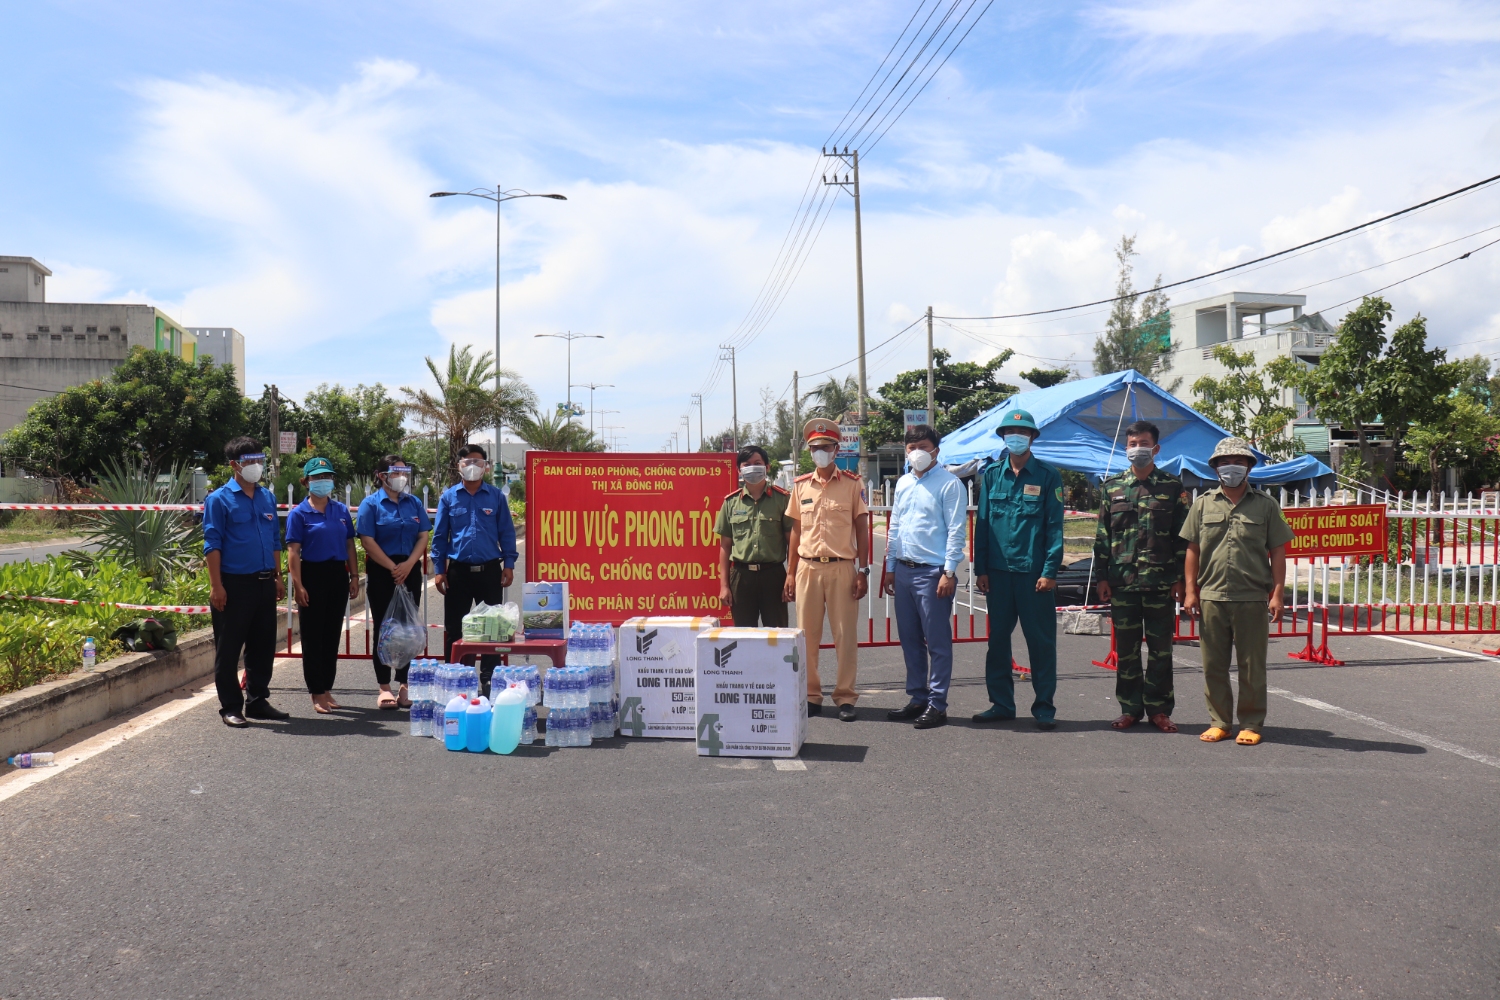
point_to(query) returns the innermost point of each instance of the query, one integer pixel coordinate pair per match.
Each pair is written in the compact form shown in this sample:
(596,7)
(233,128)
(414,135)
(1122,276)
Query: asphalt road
(38,551)
(339,857)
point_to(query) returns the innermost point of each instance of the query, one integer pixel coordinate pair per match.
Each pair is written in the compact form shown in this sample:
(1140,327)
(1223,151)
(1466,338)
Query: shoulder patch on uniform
(1058,493)
(849,475)
(731,495)
(778,489)
(803,478)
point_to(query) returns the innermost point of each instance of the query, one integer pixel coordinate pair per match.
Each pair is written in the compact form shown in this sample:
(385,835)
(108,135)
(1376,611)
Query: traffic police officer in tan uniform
(753,527)
(829,563)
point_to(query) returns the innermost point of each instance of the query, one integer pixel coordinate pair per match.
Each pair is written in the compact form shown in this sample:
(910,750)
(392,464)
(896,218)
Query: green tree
(1138,333)
(961,391)
(466,400)
(1245,404)
(363,423)
(154,408)
(554,433)
(1458,430)
(1044,378)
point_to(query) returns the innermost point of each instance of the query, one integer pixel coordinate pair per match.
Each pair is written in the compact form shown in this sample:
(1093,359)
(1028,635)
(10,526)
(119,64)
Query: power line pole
(591,386)
(852,159)
(796,426)
(698,402)
(275,442)
(931,413)
(734,391)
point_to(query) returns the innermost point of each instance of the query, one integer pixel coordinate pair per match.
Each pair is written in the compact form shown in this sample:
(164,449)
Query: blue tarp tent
(1083,425)
(1296,471)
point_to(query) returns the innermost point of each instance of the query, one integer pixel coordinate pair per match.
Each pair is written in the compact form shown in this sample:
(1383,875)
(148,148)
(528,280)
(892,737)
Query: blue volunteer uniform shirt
(473,529)
(243,530)
(324,537)
(394,524)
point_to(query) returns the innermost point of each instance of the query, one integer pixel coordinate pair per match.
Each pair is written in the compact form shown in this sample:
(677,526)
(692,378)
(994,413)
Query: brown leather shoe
(1124,722)
(1163,721)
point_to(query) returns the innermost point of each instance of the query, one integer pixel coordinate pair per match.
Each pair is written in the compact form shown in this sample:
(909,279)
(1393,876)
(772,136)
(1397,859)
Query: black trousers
(755,595)
(467,583)
(247,624)
(380,587)
(321,622)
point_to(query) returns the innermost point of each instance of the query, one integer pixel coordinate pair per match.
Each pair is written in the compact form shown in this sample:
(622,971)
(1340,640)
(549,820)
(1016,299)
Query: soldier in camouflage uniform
(1139,554)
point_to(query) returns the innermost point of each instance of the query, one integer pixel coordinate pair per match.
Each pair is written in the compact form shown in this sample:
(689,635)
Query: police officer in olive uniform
(1018,548)
(753,528)
(1138,557)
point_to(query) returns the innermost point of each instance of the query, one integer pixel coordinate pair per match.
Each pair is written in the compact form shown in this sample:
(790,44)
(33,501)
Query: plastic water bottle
(508,718)
(477,725)
(421,715)
(554,727)
(585,728)
(528,726)
(90,652)
(453,722)
(42,759)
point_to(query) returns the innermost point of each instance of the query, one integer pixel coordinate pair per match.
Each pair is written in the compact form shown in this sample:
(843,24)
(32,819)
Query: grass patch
(19,527)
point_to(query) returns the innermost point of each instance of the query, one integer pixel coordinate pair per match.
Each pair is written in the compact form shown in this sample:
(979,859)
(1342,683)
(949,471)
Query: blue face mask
(320,487)
(1018,444)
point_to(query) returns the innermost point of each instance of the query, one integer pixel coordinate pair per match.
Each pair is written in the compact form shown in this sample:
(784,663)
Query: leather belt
(825,559)
(265,574)
(754,567)
(471,567)
(917,565)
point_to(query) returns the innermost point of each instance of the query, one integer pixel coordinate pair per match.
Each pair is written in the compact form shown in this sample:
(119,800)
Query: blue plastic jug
(454,714)
(508,714)
(477,725)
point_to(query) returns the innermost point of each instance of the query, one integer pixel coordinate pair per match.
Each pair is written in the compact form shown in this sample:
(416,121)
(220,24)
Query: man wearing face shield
(829,564)
(242,546)
(1138,558)
(393,527)
(1018,548)
(473,545)
(1235,569)
(753,527)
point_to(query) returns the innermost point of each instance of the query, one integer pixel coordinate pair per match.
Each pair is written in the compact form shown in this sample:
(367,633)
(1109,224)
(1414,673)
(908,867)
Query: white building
(1265,325)
(225,345)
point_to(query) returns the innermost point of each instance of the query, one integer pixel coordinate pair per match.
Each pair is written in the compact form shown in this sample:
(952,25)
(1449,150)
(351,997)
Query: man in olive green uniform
(1138,556)
(1018,548)
(1235,569)
(753,528)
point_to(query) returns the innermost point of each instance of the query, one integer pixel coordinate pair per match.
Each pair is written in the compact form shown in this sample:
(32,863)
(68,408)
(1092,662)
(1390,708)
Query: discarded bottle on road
(453,722)
(41,759)
(90,652)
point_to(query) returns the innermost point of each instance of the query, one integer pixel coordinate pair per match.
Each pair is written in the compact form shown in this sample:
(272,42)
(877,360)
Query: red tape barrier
(186,609)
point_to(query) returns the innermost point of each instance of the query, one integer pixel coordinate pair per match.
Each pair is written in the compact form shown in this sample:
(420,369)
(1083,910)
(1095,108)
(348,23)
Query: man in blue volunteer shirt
(473,544)
(242,543)
(924,547)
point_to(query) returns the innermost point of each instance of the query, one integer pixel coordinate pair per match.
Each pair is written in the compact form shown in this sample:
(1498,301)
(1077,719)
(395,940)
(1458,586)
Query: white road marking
(1408,734)
(789,765)
(1440,649)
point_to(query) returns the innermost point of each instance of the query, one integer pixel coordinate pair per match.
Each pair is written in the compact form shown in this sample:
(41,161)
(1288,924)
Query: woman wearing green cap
(320,546)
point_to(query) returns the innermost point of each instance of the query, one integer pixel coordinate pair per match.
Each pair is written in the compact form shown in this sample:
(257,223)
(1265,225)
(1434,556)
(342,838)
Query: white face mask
(752,474)
(396,483)
(251,473)
(1140,456)
(822,459)
(471,473)
(1232,475)
(1018,444)
(920,459)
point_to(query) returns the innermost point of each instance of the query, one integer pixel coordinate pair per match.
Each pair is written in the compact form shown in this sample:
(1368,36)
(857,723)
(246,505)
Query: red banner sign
(1337,531)
(631,534)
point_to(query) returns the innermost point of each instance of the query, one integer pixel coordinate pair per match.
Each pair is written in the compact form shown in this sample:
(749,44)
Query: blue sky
(266,166)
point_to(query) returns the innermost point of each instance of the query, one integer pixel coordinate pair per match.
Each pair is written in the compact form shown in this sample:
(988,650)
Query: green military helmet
(1018,420)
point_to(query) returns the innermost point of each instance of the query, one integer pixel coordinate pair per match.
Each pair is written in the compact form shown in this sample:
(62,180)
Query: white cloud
(1266,20)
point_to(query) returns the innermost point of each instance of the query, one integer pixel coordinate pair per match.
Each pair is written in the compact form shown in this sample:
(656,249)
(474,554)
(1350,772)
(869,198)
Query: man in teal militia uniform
(1018,549)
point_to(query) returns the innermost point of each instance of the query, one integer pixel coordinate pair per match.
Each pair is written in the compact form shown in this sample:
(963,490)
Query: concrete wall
(226,346)
(21,280)
(46,347)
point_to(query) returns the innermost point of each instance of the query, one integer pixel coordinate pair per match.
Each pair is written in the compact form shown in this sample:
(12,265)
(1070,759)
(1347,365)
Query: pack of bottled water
(450,680)
(419,678)
(527,674)
(580,695)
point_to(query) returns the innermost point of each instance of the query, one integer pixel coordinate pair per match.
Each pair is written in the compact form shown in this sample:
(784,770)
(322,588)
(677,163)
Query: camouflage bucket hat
(1232,446)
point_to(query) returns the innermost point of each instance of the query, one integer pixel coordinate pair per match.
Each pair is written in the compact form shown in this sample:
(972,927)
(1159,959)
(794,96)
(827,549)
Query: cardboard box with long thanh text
(544,609)
(752,692)
(656,675)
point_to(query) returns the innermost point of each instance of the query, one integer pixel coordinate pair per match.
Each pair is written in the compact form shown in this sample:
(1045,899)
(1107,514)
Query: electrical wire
(1236,267)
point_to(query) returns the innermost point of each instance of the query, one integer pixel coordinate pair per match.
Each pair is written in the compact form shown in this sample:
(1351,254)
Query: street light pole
(591,386)
(570,336)
(498,195)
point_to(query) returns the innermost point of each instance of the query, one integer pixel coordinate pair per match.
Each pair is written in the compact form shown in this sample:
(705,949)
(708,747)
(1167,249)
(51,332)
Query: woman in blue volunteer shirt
(325,576)
(393,527)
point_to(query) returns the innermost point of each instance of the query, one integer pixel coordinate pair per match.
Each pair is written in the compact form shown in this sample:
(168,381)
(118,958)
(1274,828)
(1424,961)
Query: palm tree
(554,433)
(834,399)
(467,400)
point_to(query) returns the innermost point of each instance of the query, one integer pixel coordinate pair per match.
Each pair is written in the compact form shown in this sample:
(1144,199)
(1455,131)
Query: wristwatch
(864,571)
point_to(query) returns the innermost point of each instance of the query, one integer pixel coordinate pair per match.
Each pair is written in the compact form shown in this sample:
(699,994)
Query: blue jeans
(1013,597)
(925,623)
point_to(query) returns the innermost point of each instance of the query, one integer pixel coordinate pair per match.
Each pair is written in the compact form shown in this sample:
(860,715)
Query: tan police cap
(820,429)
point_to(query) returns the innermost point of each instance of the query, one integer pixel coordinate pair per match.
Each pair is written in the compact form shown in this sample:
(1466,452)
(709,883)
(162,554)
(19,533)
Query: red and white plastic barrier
(186,609)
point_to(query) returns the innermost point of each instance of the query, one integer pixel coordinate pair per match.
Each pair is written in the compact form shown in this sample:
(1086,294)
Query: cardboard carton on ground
(657,676)
(752,692)
(544,609)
